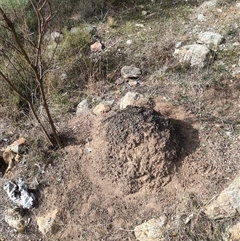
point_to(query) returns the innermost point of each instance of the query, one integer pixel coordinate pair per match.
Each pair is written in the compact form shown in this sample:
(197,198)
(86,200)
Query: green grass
(13,3)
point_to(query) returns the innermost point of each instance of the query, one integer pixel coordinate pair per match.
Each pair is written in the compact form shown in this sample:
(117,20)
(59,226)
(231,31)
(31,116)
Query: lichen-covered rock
(129,99)
(82,107)
(138,148)
(195,55)
(14,220)
(211,40)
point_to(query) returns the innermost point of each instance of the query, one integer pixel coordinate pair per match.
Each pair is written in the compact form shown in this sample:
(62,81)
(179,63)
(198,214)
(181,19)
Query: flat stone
(227,204)
(47,224)
(151,230)
(130,72)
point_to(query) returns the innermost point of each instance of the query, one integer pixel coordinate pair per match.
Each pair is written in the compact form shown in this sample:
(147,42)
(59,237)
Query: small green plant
(13,3)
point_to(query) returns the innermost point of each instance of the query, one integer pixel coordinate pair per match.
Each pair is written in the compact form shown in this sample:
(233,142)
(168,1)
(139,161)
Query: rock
(201,17)
(208,4)
(129,99)
(151,230)
(19,193)
(129,42)
(130,72)
(91,29)
(211,40)
(236,73)
(17,146)
(47,224)
(139,25)
(178,45)
(12,153)
(63,76)
(227,204)
(195,55)
(235,44)
(82,107)
(101,108)
(233,232)
(14,220)
(96,47)
(56,36)
(132,82)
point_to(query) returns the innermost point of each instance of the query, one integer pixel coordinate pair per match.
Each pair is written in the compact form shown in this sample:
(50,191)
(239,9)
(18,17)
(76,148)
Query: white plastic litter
(19,193)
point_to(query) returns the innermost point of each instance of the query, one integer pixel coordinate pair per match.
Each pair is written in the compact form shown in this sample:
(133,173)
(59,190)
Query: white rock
(56,36)
(201,17)
(151,230)
(129,99)
(139,25)
(227,204)
(63,76)
(178,45)
(82,107)
(211,39)
(235,44)
(19,193)
(130,72)
(195,55)
(132,82)
(209,4)
(129,41)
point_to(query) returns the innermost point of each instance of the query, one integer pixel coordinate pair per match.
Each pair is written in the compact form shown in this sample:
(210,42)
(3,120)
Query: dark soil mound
(136,147)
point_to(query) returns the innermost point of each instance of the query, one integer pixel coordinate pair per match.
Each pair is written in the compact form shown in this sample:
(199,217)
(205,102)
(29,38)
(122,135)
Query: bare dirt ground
(94,205)
(123,168)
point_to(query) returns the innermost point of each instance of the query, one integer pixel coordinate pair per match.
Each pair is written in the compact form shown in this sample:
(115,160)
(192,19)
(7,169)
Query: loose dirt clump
(135,147)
